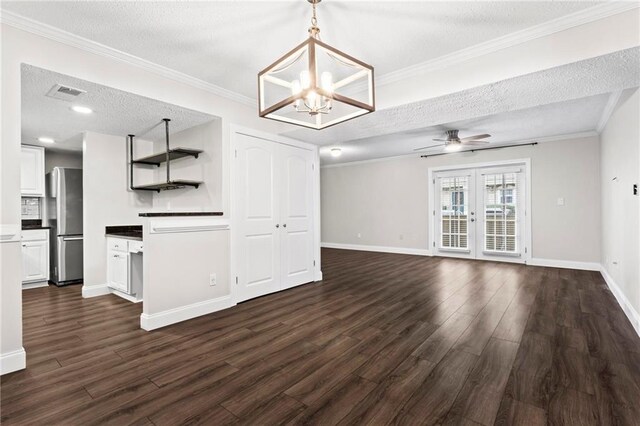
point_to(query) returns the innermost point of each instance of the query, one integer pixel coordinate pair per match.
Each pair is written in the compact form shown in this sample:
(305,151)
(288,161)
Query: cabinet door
(258,230)
(35,261)
(296,215)
(32,171)
(118,270)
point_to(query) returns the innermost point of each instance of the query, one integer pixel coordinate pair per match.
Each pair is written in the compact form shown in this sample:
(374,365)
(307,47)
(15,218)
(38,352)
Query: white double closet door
(480,213)
(274,210)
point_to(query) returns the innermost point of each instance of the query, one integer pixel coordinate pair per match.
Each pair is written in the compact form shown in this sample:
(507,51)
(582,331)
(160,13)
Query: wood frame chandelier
(316,85)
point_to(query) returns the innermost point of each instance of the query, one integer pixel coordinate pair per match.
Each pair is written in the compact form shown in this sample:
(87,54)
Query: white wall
(18,47)
(177,268)
(206,168)
(620,160)
(61,159)
(107,199)
(387,201)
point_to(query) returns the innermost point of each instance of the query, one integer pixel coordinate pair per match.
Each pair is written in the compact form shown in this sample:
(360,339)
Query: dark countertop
(131,232)
(170,214)
(28,224)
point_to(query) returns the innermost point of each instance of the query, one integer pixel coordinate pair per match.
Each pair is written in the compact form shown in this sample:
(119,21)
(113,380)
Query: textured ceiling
(115,112)
(575,116)
(602,74)
(227,42)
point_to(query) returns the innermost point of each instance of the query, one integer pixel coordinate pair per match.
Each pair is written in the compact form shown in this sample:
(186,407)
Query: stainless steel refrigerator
(64,214)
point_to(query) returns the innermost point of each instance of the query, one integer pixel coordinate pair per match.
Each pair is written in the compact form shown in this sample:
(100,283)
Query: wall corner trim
(566,264)
(95,290)
(150,322)
(13,361)
(379,249)
(625,304)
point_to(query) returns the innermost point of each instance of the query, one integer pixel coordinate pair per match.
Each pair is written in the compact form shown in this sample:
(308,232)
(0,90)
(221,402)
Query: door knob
(473,220)
(277,225)
(284,225)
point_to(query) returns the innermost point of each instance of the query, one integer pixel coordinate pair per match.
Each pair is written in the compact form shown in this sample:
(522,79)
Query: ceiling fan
(453,143)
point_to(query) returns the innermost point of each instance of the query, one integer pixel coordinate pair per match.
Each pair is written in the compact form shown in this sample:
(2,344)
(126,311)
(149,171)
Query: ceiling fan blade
(431,146)
(474,142)
(441,140)
(470,138)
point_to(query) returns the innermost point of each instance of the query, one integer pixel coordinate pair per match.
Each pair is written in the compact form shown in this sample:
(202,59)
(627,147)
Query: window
(500,211)
(454,221)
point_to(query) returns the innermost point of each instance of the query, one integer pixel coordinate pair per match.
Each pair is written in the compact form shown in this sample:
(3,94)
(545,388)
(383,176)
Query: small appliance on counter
(64,215)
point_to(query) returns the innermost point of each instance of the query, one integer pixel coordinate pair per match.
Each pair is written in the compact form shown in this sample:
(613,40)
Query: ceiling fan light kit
(453,143)
(315,85)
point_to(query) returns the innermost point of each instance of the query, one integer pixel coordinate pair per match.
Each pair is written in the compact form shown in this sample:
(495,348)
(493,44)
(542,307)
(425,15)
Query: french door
(480,213)
(274,211)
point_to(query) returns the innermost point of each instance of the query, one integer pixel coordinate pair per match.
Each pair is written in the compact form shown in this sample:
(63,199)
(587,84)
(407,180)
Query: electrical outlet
(359,235)
(561,201)
(212,280)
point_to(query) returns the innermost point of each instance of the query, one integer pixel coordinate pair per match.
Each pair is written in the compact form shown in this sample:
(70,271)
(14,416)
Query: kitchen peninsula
(186,266)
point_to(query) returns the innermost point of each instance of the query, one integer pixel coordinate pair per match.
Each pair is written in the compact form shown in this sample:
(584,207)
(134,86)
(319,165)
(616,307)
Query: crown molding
(562,23)
(64,37)
(579,135)
(614,98)
(582,17)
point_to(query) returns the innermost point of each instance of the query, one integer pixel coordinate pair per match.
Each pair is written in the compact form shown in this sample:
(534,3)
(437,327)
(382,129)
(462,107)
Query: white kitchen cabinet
(32,171)
(118,270)
(35,256)
(124,267)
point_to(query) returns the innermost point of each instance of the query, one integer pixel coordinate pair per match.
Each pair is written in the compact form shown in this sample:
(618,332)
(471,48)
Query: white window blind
(454,210)
(501,213)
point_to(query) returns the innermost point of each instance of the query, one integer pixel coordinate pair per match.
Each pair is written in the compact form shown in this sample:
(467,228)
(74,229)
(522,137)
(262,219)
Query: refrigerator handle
(72,238)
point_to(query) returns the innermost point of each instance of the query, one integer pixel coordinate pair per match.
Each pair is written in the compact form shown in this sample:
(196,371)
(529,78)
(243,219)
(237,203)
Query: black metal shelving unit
(157,160)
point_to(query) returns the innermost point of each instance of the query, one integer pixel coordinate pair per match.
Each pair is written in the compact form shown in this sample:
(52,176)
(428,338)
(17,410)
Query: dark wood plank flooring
(383,339)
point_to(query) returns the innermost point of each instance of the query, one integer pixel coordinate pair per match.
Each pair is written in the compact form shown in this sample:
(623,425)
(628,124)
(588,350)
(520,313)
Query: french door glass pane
(501,212)
(454,195)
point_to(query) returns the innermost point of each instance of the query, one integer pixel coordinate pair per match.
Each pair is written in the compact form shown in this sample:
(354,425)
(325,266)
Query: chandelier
(316,85)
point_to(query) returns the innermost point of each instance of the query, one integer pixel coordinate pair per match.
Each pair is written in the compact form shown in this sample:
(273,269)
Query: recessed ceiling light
(46,140)
(82,109)
(336,152)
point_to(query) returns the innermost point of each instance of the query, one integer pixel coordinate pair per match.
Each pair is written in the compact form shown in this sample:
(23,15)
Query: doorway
(480,211)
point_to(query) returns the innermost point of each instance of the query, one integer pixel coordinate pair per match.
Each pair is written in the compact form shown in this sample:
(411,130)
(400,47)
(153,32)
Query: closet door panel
(257,213)
(296,207)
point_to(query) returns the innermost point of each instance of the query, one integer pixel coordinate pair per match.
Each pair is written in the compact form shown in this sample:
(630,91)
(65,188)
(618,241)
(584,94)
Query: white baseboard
(13,361)
(95,290)
(183,313)
(567,264)
(37,284)
(624,303)
(380,249)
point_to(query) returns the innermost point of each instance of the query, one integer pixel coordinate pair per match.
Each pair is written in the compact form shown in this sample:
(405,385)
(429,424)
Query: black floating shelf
(164,186)
(174,154)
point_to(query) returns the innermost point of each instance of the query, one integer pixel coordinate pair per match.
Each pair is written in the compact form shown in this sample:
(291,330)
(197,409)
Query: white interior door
(257,214)
(480,213)
(296,215)
(455,214)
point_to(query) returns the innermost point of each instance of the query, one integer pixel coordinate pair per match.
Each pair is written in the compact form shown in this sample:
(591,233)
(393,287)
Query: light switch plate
(212,280)
(561,201)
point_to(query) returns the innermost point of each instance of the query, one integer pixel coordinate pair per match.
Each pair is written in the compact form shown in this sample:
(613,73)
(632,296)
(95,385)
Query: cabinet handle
(24,245)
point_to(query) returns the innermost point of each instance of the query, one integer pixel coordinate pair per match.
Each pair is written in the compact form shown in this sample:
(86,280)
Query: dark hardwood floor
(383,339)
